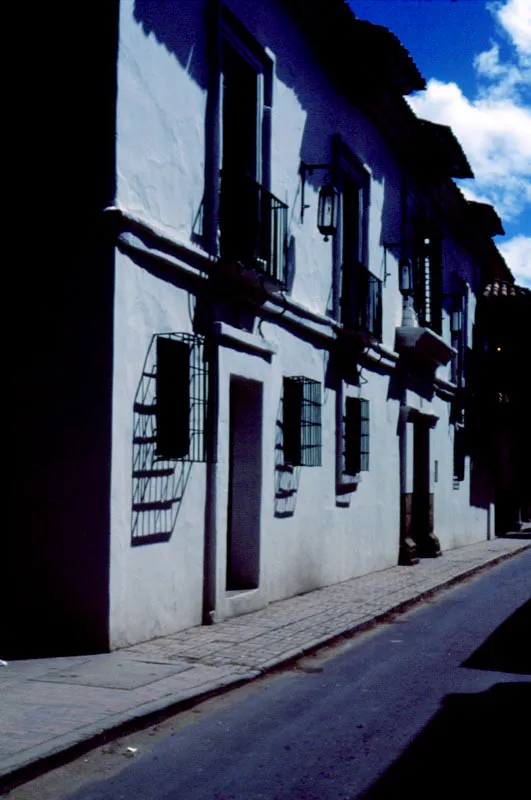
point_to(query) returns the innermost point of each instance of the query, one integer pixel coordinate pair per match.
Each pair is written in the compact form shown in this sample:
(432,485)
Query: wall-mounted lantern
(328,204)
(327,209)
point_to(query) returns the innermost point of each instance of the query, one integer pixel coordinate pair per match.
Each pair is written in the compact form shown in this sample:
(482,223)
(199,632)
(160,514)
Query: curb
(34,762)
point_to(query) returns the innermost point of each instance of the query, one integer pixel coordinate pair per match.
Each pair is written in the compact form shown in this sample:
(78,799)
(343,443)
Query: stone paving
(48,706)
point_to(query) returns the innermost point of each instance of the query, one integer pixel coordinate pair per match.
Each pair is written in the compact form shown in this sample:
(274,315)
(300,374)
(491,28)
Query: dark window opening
(240,114)
(459,453)
(356,436)
(181,398)
(352,219)
(361,296)
(253,222)
(302,422)
(459,326)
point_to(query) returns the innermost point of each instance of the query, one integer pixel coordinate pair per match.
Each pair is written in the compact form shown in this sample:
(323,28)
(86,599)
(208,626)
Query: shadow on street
(473,747)
(508,649)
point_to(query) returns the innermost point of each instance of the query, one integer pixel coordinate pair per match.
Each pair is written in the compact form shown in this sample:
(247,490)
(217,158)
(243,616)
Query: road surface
(435,703)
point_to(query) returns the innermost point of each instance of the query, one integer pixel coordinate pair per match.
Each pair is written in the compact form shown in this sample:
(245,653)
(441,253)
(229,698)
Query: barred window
(181,398)
(356,436)
(302,422)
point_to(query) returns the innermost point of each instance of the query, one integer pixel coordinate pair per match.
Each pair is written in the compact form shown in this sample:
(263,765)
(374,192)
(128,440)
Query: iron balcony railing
(427,298)
(362,300)
(253,226)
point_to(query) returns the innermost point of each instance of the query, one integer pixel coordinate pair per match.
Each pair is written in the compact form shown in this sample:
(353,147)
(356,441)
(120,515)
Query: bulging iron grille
(169,433)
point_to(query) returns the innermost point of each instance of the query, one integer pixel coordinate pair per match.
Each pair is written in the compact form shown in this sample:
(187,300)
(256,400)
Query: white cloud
(501,80)
(517,253)
(494,128)
(515,17)
(496,136)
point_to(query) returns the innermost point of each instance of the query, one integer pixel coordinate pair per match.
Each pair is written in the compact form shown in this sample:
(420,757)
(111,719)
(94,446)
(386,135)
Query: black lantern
(327,209)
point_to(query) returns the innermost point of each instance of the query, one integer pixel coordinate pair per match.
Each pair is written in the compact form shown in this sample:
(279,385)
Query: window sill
(243,340)
(348,483)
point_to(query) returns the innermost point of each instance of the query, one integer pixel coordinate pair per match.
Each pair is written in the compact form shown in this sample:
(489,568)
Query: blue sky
(476,59)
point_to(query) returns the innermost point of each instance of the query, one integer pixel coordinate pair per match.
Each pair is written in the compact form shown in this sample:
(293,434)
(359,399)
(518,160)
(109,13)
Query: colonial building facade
(257,371)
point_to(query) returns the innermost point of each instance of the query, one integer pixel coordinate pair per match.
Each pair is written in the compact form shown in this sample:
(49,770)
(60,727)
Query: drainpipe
(212,192)
(209,554)
(212,128)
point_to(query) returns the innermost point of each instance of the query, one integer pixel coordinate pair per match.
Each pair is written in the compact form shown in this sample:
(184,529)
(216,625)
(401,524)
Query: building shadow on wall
(175,26)
(287,477)
(473,747)
(480,489)
(158,484)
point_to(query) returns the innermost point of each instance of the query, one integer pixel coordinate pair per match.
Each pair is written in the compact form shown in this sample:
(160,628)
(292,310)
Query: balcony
(423,344)
(253,228)
(361,301)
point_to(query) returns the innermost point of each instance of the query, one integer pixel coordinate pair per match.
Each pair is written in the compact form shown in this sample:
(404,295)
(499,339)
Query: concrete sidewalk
(54,708)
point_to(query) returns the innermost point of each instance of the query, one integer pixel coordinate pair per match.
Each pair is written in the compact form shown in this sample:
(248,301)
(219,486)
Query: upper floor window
(361,293)
(426,249)
(253,223)
(459,328)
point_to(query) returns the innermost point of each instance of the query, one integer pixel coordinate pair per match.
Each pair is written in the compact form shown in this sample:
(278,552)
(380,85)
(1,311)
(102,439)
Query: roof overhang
(446,153)
(486,218)
(362,54)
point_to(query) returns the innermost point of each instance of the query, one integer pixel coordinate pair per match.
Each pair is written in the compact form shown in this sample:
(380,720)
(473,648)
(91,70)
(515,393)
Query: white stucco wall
(156,587)
(161,106)
(327,537)
(162,101)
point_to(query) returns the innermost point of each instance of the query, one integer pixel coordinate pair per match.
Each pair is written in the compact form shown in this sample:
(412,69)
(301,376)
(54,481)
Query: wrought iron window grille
(356,436)
(361,300)
(302,422)
(253,226)
(181,398)
(169,432)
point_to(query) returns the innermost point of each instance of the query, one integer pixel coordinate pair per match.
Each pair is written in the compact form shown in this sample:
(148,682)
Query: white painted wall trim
(129,242)
(274,309)
(241,340)
(194,262)
(132,223)
(381,356)
(445,389)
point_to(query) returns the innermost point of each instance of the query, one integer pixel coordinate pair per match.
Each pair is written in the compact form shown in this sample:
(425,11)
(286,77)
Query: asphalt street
(437,702)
